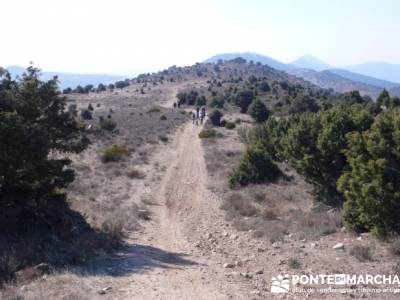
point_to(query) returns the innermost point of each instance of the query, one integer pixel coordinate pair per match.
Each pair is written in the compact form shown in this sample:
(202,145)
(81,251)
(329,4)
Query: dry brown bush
(135,174)
(235,203)
(362,253)
(270,214)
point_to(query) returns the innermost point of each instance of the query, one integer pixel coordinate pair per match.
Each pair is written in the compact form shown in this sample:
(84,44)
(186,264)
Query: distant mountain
(329,80)
(382,70)
(310,62)
(70,79)
(265,60)
(364,79)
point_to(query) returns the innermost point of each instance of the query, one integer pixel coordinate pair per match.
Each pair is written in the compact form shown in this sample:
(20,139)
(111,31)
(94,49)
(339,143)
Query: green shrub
(230,125)
(243,100)
(315,144)
(163,118)
(258,111)
(215,117)
(371,186)
(304,103)
(294,263)
(86,114)
(265,86)
(108,124)
(207,133)
(201,101)
(114,153)
(255,166)
(218,103)
(163,139)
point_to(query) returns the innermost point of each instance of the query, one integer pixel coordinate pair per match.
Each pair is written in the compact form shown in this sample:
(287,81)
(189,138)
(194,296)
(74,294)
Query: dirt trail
(181,195)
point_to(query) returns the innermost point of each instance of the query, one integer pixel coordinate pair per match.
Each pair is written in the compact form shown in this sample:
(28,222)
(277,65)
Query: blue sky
(122,36)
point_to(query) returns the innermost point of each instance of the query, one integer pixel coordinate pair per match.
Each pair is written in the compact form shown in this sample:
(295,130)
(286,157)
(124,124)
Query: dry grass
(270,214)
(315,224)
(236,204)
(395,246)
(362,253)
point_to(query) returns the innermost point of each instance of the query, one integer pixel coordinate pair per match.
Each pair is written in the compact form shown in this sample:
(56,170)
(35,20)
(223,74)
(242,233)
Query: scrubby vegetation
(256,166)
(349,151)
(258,111)
(207,133)
(114,153)
(107,124)
(215,117)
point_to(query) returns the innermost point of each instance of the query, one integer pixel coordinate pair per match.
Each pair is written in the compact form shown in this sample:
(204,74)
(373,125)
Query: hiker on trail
(193,117)
(197,112)
(179,104)
(202,115)
(203,111)
(174,105)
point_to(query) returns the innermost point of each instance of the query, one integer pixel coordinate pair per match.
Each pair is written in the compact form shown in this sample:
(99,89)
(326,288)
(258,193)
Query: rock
(104,291)
(246,275)
(260,250)
(275,245)
(359,238)
(228,265)
(258,272)
(144,214)
(303,240)
(225,234)
(338,246)
(238,263)
(234,236)
(255,292)
(314,245)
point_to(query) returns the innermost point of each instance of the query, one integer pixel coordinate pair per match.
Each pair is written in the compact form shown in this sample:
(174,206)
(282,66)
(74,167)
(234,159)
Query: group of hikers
(200,114)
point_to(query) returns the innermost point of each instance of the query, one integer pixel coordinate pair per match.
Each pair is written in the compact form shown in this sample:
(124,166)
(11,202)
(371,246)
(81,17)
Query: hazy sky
(122,36)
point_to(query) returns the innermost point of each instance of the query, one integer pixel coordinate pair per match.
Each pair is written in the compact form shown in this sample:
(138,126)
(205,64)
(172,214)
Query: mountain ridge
(264,59)
(310,62)
(71,80)
(339,79)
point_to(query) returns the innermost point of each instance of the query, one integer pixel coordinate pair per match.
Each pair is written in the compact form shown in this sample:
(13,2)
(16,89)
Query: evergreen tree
(258,111)
(34,125)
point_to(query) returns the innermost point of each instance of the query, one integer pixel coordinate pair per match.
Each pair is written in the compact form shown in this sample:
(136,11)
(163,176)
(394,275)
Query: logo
(280,284)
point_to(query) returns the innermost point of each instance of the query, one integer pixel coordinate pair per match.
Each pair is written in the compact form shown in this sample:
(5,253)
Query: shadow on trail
(134,258)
